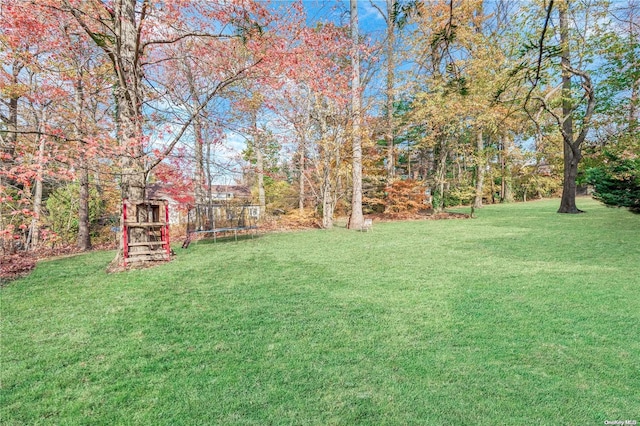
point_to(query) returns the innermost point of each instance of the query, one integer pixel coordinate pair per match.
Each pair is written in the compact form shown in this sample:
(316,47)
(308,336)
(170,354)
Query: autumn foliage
(405,197)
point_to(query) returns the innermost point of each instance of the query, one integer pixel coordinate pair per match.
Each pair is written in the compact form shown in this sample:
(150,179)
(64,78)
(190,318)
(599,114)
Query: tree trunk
(209,178)
(356,218)
(635,86)
(389,134)
(197,134)
(480,166)
(302,153)
(8,143)
(260,172)
(633,119)
(327,199)
(84,236)
(572,152)
(129,117)
(37,196)
(441,173)
(257,147)
(506,193)
(199,159)
(301,160)
(326,189)
(12,125)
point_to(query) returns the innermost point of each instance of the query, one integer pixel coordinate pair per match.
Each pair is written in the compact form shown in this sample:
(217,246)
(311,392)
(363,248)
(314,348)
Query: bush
(373,194)
(405,196)
(15,217)
(280,195)
(617,181)
(62,206)
(459,196)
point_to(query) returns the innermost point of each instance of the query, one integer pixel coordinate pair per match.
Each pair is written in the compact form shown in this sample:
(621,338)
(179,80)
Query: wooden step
(149,253)
(146,252)
(148,243)
(144,224)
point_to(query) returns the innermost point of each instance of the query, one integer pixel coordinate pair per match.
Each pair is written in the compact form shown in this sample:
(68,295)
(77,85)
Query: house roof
(180,195)
(240,191)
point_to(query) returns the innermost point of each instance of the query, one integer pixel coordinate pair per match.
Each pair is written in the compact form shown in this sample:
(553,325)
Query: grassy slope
(521,316)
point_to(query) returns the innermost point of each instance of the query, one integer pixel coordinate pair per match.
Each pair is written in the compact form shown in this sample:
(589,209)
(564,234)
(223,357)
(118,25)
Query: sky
(370,20)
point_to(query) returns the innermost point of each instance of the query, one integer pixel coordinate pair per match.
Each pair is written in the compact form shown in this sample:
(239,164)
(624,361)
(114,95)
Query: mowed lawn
(521,316)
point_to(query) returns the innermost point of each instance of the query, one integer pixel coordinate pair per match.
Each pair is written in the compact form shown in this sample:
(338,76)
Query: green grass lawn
(521,316)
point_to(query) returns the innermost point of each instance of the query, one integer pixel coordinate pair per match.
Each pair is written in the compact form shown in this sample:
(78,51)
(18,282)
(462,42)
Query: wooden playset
(145,231)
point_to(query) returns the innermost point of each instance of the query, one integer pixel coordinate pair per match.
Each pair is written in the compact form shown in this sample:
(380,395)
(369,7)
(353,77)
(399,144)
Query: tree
(573,120)
(23,40)
(394,16)
(614,161)
(392,22)
(572,144)
(617,181)
(123,32)
(313,104)
(356,218)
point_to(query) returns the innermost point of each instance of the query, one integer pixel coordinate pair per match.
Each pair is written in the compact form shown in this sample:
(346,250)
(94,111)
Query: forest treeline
(448,102)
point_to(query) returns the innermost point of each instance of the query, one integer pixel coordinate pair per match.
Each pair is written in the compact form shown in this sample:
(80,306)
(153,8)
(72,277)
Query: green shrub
(617,181)
(62,206)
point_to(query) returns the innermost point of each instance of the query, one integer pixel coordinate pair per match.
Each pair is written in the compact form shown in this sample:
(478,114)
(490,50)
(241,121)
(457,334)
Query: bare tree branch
(536,80)
(197,111)
(183,36)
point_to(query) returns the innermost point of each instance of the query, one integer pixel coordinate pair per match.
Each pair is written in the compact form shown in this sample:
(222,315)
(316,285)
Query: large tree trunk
(356,218)
(480,165)
(389,134)
(129,117)
(572,152)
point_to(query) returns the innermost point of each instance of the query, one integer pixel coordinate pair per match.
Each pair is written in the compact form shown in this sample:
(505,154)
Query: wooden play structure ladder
(150,220)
